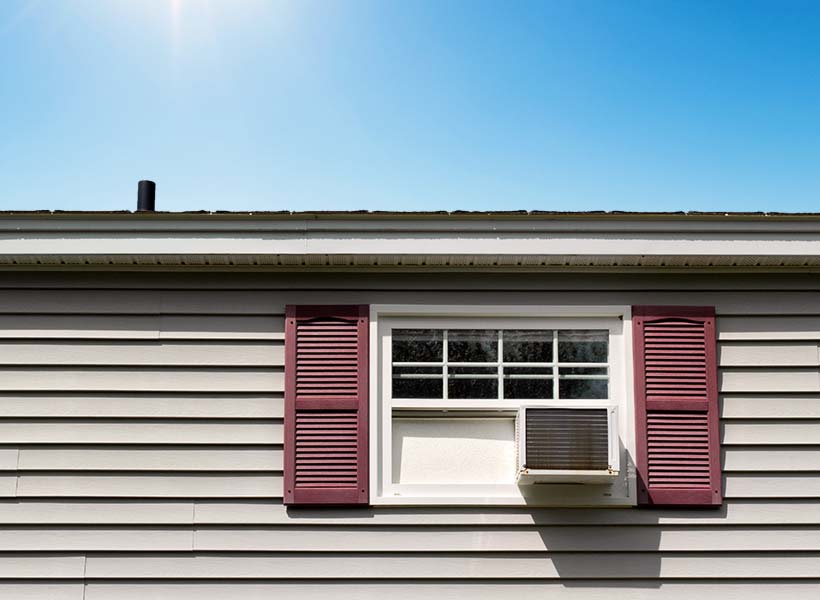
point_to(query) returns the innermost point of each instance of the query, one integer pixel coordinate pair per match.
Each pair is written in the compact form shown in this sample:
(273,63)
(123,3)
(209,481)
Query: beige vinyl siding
(141,405)
(141,451)
(483,590)
(439,566)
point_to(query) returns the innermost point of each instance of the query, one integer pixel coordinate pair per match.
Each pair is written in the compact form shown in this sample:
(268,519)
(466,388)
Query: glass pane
(582,383)
(472,345)
(418,382)
(583,346)
(417,345)
(472,382)
(583,389)
(582,371)
(527,346)
(527,383)
(527,372)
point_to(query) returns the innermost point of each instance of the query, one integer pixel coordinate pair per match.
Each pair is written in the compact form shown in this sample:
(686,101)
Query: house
(310,405)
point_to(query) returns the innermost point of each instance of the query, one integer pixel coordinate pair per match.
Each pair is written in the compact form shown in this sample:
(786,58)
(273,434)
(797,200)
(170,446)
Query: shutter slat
(326,387)
(678,454)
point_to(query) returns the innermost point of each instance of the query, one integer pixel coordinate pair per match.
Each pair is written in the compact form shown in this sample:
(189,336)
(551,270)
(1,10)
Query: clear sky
(410,105)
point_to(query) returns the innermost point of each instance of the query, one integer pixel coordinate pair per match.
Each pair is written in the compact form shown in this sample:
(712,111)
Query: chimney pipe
(146,196)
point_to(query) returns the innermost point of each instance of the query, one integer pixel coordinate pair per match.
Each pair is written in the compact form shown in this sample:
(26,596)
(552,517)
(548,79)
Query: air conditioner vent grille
(571,439)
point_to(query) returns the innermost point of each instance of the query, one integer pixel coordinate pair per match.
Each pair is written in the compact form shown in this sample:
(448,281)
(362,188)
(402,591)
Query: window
(450,381)
(507,365)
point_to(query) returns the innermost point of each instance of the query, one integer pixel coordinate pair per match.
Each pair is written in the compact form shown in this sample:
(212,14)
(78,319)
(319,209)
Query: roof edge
(516,215)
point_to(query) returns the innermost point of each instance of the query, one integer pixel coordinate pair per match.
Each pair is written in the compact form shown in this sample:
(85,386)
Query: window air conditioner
(567,445)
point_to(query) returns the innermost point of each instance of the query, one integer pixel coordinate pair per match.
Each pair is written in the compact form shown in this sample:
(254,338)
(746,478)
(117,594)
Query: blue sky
(395,105)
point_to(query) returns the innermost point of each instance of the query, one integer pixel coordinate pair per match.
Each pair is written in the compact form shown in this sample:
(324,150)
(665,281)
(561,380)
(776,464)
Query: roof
(441,214)
(513,240)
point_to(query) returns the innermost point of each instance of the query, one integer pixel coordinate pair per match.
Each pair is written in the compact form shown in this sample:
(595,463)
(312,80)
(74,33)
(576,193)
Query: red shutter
(678,453)
(326,402)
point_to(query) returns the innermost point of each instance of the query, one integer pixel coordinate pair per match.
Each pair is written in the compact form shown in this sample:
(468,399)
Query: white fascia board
(388,242)
(384,244)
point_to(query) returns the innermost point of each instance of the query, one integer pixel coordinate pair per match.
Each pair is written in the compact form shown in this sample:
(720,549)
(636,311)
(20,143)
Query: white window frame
(384,317)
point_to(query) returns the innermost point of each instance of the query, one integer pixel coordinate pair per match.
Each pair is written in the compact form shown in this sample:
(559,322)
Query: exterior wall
(141,456)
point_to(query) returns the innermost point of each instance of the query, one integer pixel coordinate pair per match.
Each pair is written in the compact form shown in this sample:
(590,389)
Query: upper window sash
(557,327)
(513,382)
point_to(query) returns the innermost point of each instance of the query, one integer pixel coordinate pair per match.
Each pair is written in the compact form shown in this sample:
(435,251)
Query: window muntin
(502,364)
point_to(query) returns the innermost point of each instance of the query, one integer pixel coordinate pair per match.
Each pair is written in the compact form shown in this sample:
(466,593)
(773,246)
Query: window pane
(583,389)
(418,382)
(527,383)
(472,382)
(472,345)
(582,383)
(417,345)
(582,371)
(583,346)
(527,346)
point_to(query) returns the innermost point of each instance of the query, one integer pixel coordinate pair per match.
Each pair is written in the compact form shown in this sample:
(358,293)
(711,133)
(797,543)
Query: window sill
(621,494)
(456,501)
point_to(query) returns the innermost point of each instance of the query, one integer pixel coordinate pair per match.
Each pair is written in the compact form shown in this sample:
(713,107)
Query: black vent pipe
(146,196)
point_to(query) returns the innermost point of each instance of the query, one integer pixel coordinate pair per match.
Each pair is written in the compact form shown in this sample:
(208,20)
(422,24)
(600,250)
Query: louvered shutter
(326,402)
(678,446)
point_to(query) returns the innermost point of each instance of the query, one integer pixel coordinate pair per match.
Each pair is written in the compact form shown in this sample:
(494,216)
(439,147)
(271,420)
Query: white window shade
(453,450)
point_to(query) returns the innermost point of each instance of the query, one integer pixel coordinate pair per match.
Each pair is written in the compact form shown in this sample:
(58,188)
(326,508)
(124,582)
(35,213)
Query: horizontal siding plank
(771,459)
(153,459)
(143,380)
(568,538)
(58,326)
(171,327)
(497,566)
(408,590)
(268,512)
(333,539)
(134,485)
(768,328)
(767,354)
(772,486)
(262,302)
(233,302)
(152,326)
(770,407)
(258,512)
(733,512)
(761,434)
(147,302)
(42,590)
(104,512)
(8,459)
(769,380)
(19,431)
(8,485)
(267,303)
(41,566)
(82,301)
(227,327)
(142,353)
(200,406)
(88,539)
